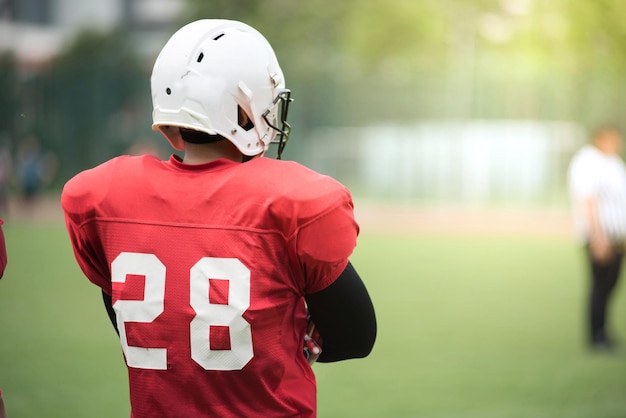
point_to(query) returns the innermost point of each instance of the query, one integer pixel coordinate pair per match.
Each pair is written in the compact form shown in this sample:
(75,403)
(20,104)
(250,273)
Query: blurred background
(475,103)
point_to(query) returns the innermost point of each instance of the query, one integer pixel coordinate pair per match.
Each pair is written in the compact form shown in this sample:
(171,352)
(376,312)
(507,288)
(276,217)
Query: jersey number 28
(207,314)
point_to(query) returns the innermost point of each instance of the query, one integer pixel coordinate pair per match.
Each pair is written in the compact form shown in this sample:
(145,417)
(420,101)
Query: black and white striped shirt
(601,177)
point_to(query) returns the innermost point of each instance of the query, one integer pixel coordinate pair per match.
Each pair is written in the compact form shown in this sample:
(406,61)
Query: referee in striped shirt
(597,183)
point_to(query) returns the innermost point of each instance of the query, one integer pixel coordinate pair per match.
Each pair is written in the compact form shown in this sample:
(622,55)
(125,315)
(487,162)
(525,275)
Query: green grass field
(487,327)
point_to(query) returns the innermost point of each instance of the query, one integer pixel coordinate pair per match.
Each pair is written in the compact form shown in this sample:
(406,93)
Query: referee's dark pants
(604,277)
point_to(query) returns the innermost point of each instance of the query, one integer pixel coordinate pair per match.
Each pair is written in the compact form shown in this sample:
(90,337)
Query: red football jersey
(208,266)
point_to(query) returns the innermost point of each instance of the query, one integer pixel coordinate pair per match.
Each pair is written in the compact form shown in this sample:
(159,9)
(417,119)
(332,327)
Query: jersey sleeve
(79,200)
(324,244)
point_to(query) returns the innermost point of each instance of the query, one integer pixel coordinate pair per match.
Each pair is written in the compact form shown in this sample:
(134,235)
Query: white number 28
(207,314)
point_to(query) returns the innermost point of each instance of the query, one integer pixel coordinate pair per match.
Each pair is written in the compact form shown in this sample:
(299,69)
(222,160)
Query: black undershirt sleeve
(108,304)
(344,315)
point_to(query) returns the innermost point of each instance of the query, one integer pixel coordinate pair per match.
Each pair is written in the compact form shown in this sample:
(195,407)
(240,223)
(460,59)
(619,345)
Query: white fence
(470,162)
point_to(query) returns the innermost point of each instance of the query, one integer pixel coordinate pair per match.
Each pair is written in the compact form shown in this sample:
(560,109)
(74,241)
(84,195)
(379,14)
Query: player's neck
(205,153)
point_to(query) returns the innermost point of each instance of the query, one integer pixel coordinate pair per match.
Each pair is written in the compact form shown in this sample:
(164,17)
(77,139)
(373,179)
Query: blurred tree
(596,35)
(92,100)
(597,29)
(243,10)
(9,101)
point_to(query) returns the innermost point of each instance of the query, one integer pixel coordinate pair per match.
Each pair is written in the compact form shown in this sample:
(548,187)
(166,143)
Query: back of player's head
(222,78)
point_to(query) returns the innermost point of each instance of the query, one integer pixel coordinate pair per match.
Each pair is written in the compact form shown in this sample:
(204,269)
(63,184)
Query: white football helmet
(207,71)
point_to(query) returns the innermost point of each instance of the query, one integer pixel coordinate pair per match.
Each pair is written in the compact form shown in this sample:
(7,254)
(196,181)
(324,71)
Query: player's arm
(599,242)
(344,316)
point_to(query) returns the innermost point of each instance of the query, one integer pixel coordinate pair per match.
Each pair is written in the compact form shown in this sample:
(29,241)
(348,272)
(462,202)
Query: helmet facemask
(276,118)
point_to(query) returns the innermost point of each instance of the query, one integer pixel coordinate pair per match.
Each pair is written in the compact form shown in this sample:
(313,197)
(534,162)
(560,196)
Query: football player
(220,266)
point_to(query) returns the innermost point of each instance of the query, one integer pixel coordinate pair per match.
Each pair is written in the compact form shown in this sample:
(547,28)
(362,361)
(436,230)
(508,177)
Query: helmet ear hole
(243,119)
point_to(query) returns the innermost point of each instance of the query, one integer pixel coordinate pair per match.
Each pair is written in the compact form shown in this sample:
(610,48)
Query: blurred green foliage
(85,106)
(8,100)
(89,98)
(348,63)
